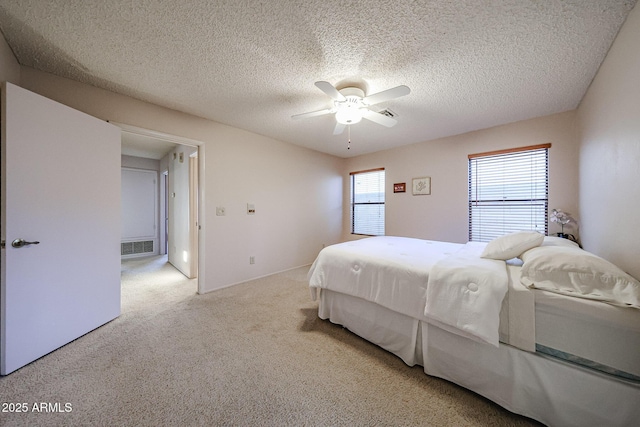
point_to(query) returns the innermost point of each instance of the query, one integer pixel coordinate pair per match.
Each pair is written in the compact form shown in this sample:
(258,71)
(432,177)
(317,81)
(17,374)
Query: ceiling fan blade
(330,90)
(339,128)
(313,113)
(386,95)
(378,118)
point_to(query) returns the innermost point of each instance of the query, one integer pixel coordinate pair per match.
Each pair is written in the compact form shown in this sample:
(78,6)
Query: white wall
(139,163)
(297,192)
(609,141)
(139,207)
(443,215)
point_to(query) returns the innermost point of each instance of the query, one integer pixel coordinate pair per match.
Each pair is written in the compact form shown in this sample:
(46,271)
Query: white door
(60,188)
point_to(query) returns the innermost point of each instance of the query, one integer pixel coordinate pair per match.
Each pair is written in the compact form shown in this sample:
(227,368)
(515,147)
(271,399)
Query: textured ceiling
(470,64)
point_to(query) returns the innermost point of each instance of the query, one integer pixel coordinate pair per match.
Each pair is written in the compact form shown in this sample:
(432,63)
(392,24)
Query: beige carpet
(255,354)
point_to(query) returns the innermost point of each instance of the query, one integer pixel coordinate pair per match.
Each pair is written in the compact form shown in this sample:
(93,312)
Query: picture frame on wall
(422,186)
(400,187)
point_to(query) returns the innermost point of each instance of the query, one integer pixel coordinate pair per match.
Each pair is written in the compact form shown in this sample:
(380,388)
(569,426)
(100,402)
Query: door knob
(18,243)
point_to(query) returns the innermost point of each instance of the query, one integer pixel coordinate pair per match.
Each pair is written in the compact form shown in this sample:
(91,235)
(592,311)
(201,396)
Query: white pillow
(512,245)
(559,241)
(576,272)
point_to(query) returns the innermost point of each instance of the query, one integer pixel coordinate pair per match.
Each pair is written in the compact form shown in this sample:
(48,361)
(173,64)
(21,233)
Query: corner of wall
(9,66)
(608,134)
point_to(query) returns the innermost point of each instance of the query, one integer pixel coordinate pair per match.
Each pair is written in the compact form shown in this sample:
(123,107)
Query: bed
(524,320)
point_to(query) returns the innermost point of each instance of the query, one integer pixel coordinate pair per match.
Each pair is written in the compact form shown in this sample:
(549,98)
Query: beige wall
(609,138)
(9,67)
(297,192)
(443,215)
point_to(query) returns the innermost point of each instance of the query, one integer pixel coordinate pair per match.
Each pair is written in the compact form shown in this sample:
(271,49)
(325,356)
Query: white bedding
(465,293)
(394,272)
(518,324)
(390,271)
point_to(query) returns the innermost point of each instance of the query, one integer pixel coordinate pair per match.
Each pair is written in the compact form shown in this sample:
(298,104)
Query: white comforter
(465,293)
(394,272)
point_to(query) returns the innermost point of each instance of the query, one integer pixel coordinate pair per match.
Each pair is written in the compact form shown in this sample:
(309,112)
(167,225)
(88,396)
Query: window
(508,192)
(367,202)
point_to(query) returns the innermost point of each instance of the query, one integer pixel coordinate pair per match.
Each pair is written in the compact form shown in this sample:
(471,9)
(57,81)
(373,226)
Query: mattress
(591,333)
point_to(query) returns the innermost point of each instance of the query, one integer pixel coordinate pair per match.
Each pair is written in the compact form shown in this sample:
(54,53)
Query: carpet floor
(254,354)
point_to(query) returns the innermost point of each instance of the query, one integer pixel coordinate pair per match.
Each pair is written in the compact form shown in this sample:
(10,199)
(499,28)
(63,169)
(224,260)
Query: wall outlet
(251,209)
(252,260)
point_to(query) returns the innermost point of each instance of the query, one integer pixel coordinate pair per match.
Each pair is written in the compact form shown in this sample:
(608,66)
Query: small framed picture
(422,186)
(400,187)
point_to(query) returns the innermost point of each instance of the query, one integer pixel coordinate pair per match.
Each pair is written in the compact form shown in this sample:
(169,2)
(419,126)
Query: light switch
(251,209)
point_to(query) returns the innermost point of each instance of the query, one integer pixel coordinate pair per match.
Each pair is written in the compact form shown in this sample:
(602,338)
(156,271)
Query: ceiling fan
(350,105)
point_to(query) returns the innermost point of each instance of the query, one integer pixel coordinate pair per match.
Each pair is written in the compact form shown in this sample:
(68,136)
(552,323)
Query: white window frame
(374,224)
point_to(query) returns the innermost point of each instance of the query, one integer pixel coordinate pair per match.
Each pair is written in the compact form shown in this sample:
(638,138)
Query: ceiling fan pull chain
(349,143)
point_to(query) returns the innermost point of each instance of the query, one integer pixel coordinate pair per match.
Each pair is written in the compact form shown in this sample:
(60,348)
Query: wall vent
(388,113)
(133,248)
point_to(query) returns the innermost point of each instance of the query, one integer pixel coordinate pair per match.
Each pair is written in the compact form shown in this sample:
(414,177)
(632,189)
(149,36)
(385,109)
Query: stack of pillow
(559,265)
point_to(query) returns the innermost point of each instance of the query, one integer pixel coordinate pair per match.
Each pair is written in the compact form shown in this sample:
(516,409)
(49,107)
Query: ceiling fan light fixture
(348,114)
(350,105)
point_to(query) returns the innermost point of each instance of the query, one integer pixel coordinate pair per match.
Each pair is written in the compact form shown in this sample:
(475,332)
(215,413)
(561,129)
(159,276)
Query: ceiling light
(348,114)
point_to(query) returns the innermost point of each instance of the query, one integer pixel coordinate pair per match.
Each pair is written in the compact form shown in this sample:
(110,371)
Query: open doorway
(178,165)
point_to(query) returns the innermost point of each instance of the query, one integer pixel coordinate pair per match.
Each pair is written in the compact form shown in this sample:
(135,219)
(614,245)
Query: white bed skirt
(401,335)
(549,390)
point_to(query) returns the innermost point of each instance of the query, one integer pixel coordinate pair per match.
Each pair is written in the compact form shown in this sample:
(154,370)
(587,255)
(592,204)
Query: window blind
(508,192)
(367,202)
